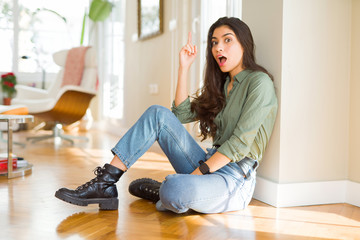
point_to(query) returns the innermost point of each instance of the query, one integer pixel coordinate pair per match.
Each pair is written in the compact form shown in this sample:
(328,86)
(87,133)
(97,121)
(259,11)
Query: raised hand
(187,53)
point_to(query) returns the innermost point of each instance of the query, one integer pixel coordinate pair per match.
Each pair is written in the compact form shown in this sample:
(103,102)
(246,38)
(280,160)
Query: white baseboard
(311,193)
(353,193)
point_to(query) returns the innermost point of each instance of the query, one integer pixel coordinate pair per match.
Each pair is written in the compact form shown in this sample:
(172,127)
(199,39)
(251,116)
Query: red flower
(7,74)
(8,84)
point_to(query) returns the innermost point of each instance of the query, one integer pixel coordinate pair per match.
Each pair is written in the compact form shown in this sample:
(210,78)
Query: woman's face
(227,50)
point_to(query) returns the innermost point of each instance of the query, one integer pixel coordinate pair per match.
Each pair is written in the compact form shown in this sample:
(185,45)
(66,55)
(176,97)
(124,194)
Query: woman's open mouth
(221,60)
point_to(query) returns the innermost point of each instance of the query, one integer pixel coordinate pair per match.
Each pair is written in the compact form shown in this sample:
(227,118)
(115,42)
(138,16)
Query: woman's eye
(213,43)
(228,40)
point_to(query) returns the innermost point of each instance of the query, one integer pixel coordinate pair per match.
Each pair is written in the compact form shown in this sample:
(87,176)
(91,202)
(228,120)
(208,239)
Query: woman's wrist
(183,70)
(196,172)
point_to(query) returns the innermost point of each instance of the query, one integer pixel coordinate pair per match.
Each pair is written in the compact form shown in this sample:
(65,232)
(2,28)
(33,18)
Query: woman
(236,107)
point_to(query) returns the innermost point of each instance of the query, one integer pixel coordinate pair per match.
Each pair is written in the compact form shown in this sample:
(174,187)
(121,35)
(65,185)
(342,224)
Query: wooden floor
(29,210)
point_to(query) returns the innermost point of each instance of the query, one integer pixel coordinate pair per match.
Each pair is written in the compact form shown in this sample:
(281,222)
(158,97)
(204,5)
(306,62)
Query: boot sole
(104,203)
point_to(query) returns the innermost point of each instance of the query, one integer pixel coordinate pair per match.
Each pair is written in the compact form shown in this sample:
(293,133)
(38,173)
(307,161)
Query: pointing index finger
(189,38)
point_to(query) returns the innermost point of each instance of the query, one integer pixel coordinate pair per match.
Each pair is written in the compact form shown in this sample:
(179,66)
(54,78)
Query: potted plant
(8,82)
(99,11)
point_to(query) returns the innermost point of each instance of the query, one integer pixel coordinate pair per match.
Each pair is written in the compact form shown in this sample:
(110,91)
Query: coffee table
(11,120)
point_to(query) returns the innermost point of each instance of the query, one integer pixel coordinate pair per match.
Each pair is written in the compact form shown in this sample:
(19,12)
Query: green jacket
(245,124)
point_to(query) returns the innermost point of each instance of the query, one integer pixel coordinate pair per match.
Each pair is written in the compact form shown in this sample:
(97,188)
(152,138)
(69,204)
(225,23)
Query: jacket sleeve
(183,111)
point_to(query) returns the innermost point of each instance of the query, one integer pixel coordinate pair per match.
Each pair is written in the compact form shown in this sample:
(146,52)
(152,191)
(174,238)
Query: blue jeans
(224,190)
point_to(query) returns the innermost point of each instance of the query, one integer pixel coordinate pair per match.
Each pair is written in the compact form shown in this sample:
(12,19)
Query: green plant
(8,82)
(99,11)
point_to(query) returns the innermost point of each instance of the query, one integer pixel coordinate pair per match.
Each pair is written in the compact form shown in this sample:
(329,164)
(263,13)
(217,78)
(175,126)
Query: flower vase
(7,101)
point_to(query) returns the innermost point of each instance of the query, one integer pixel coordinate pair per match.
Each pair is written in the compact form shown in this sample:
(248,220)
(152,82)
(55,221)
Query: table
(11,120)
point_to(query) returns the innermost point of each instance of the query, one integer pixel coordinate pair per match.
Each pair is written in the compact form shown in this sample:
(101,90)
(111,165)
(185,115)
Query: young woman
(236,107)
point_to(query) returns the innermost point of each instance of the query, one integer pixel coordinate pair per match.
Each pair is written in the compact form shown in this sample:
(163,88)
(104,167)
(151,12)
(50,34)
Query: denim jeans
(224,190)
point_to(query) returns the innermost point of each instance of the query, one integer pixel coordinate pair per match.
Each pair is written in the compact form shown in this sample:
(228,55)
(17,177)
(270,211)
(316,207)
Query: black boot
(101,190)
(145,188)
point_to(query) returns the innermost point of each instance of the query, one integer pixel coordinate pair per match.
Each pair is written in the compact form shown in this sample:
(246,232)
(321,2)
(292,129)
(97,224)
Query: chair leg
(67,139)
(70,137)
(57,132)
(39,138)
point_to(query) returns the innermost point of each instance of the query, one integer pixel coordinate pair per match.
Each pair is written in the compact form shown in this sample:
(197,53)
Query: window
(7,36)
(113,63)
(32,30)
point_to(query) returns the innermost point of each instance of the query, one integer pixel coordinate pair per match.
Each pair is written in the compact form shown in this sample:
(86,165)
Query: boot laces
(151,192)
(98,172)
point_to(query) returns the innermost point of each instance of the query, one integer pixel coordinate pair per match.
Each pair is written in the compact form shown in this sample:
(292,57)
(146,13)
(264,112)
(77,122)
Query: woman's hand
(187,54)
(215,162)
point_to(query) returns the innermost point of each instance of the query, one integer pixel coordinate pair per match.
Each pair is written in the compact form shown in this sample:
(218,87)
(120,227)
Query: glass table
(11,120)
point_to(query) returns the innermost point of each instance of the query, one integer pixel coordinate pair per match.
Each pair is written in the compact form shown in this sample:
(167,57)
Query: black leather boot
(145,188)
(100,190)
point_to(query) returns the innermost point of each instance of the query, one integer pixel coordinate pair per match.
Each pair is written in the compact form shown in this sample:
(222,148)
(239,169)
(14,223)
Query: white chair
(61,104)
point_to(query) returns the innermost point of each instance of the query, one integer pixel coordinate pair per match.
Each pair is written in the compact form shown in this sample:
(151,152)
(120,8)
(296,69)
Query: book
(21,162)
(4,163)
(18,162)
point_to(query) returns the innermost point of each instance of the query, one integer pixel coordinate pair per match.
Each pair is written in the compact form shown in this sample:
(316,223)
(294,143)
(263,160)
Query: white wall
(313,156)
(267,34)
(147,62)
(315,87)
(306,45)
(152,61)
(354,166)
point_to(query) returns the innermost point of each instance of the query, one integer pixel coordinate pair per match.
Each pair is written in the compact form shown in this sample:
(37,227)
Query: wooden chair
(61,104)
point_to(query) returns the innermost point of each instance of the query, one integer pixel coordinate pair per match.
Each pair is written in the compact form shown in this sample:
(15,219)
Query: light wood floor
(29,210)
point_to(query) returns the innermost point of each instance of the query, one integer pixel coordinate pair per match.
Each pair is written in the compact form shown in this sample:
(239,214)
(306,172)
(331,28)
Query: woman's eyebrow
(226,34)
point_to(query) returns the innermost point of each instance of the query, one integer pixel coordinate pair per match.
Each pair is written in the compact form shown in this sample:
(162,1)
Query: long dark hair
(210,99)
